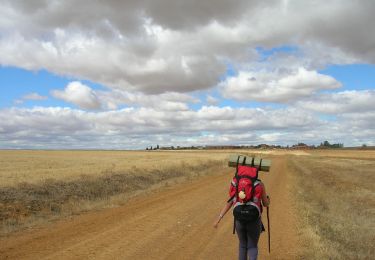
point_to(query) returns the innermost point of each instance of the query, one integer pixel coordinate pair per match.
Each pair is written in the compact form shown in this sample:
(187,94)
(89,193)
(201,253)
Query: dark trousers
(248,235)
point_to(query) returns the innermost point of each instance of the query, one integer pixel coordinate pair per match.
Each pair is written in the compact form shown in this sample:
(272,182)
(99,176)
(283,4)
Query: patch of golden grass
(344,153)
(37,166)
(336,199)
(42,185)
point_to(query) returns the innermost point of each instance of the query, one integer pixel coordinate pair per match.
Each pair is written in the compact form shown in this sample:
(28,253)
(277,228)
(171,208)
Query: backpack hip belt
(248,203)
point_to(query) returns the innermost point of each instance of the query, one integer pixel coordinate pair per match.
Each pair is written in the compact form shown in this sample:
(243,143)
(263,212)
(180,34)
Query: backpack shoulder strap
(237,178)
(235,195)
(257,182)
(236,175)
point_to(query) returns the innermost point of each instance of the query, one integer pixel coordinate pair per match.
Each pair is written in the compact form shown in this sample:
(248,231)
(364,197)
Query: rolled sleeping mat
(249,161)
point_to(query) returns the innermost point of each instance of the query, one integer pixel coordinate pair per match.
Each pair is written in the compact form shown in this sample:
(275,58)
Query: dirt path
(175,223)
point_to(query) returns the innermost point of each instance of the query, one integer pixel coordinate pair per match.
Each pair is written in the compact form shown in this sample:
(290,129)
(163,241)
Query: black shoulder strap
(244,160)
(238,160)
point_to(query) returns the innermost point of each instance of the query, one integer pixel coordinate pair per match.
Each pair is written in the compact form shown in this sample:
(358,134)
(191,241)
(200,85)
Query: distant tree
(146,148)
(364,145)
(326,144)
(157,147)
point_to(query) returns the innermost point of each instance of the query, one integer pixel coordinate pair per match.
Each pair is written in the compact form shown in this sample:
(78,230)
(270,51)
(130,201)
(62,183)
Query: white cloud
(155,56)
(31,96)
(271,137)
(34,96)
(165,101)
(342,102)
(274,87)
(30,126)
(212,100)
(79,95)
(139,127)
(85,97)
(176,46)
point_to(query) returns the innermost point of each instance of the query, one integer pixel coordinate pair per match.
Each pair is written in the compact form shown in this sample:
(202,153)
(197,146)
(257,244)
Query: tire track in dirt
(175,223)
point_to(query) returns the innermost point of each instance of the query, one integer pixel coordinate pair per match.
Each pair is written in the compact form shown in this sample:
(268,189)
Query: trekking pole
(269,230)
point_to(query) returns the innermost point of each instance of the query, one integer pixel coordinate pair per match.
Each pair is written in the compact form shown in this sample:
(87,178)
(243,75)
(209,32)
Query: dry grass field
(336,203)
(333,192)
(37,166)
(36,186)
(344,154)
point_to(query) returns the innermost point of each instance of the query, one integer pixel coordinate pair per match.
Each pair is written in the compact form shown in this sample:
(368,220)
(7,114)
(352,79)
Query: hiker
(248,232)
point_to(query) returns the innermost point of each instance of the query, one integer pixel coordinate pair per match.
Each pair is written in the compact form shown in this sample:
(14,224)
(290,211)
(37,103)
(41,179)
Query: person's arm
(265,198)
(227,206)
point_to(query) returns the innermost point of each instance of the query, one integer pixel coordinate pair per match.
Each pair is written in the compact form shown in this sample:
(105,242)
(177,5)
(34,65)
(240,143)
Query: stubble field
(38,166)
(37,186)
(335,194)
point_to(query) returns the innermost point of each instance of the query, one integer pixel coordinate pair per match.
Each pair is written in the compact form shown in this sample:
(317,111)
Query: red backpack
(246,193)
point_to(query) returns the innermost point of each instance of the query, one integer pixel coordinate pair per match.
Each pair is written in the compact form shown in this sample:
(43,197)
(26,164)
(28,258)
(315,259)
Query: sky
(140,73)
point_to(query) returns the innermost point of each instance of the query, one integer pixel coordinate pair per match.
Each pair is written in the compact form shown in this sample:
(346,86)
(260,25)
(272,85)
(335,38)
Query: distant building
(221,147)
(301,146)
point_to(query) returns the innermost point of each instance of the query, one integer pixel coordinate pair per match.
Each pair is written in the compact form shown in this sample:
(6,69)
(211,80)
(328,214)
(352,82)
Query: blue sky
(353,76)
(122,76)
(16,83)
